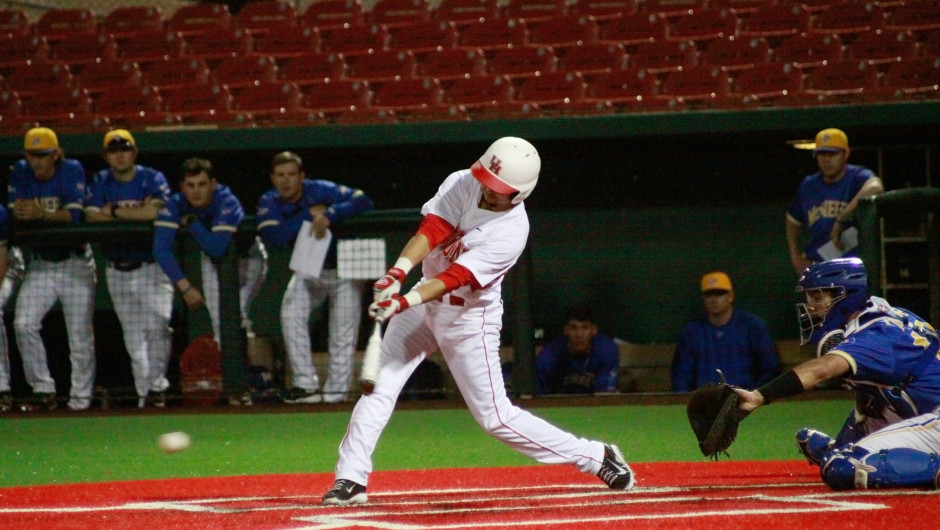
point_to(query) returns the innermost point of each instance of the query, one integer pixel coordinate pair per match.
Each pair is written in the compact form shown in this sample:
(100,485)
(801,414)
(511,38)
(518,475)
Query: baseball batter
(141,293)
(474,230)
(46,187)
(212,214)
(825,202)
(11,272)
(890,356)
(281,212)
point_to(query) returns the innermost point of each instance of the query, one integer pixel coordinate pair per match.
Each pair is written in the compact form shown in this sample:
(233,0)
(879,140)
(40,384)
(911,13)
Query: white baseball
(173,442)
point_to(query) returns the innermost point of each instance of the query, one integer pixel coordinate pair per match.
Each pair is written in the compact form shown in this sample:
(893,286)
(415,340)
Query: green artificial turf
(58,450)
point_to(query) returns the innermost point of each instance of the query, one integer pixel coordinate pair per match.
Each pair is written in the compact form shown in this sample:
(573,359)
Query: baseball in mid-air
(173,442)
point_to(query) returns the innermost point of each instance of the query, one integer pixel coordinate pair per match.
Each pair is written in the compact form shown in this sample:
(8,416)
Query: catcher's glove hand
(714,415)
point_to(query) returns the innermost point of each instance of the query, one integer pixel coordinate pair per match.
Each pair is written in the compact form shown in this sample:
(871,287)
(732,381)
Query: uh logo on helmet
(834,291)
(511,165)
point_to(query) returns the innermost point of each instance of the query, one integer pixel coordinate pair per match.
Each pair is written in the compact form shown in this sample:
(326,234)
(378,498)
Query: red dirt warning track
(725,495)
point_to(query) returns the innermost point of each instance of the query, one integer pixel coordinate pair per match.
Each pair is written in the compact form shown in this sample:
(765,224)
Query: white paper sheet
(309,252)
(849,240)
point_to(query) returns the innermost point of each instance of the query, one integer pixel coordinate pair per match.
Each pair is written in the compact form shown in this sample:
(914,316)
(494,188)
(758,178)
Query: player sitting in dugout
(580,361)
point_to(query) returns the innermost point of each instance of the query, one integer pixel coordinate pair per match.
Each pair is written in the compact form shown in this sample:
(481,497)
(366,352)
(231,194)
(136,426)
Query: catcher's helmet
(510,165)
(847,280)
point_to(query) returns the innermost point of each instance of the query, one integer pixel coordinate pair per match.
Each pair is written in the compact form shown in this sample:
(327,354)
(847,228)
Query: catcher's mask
(834,291)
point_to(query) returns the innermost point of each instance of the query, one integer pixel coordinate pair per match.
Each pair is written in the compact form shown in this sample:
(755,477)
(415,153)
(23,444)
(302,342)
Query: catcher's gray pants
(71,282)
(302,296)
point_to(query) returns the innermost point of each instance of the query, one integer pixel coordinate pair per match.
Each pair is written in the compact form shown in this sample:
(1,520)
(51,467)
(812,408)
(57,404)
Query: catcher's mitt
(714,415)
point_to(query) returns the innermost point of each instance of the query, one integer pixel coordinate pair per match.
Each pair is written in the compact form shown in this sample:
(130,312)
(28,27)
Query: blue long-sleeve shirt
(742,349)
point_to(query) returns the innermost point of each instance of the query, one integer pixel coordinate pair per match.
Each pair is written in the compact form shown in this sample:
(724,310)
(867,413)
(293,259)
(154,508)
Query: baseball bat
(370,360)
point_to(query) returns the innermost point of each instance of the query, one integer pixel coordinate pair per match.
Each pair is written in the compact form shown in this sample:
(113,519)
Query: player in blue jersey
(581,361)
(212,214)
(281,212)
(46,187)
(825,202)
(11,273)
(890,357)
(140,291)
(725,338)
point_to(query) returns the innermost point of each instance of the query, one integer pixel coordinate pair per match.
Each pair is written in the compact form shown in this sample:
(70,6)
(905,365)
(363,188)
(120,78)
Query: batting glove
(388,285)
(384,310)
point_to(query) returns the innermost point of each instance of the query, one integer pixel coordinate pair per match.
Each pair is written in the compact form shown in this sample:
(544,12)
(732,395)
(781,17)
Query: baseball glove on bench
(714,415)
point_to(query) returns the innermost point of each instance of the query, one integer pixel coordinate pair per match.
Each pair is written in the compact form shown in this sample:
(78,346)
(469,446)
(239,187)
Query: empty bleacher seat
(841,81)
(63,105)
(913,78)
(393,13)
(208,103)
(55,24)
(665,56)
(19,50)
(883,47)
(108,74)
(152,46)
(452,64)
(706,26)
(604,9)
(79,50)
(129,21)
(777,22)
(675,8)
(919,18)
(464,12)
(535,11)
(736,54)
(553,91)
(702,85)
(269,101)
(263,17)
(288,42)
(768,84)
(315,68)
(236,72)
(14,22)
(849,19)
(596,58)
(329,14)
(215,44)
(523,61)
(405,97)
(634,29)
(29,79)
(565,31)
(488,96)
(489,35)
(198,18)
(354,40)
(811,50)
(627,89)
(382,66)
(133,106)
(172,74)
(423,37)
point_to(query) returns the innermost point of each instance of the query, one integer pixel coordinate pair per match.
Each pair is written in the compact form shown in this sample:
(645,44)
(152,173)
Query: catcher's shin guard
(890,468)
(814,445)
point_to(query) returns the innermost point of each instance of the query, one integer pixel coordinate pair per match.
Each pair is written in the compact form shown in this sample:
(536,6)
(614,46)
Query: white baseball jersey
(465,326)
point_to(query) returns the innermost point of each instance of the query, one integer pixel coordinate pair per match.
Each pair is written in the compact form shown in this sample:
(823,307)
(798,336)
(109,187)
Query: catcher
(887,354)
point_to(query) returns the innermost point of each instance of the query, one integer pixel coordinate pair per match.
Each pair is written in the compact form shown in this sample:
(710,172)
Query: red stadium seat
(423,37)
(288,42)
(739,7)
(665,56)
(553,91)
(634,29)
(394,13)
(841,81)
(270,101)
(919,18)
(776,22)
(354,40)
(806,51)
(565,31)
(535,11)
(236,72)
(930,47)
(133,106)
(486,97)
(330,14)
(106,75)
(343,100)
(174,74)
(29,79)
(706,26)
(524,61)
(604,9)
(14,22)
(198,18)
(768,84)
(11,113)
(818,6)
(737,54)
(209,103)
(596,58)
(464,12)
(702,86)
(622,88)
(849,19)
(883,47)
(452,64)
(314,69)
(382,66)
(489,35)
(151,47)
(407,96)
(215,44)
(674,8)
(913,78)
(80,50)
(19,50)
(129,21)
(63,105)
(55,24)
(263,17)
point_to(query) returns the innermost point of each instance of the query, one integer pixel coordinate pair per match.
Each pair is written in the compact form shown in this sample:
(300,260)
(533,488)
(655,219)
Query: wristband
(413,298)
(404,264)
(786,385)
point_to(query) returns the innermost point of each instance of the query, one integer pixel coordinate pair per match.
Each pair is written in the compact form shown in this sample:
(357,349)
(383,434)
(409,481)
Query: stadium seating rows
(463,59)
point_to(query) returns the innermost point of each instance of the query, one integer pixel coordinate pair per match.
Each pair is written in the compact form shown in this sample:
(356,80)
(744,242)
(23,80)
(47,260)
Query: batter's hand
(382,311)
(388,285)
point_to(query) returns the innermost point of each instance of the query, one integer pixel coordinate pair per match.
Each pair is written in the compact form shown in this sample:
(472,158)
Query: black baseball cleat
(346,492)
(614,471)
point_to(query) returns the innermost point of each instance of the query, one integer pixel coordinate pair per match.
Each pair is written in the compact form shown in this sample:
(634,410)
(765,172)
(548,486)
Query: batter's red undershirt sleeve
(435,228)
(456,276)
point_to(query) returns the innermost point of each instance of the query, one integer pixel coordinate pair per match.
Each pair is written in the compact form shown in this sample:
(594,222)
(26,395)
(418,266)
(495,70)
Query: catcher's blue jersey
(894,358)
(212,227)
(148,183)
(817,204)
(279,221)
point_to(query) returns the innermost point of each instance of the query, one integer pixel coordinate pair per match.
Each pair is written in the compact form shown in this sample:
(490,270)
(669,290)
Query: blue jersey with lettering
(894,360)
(742,349)
(601,368)
(817,204)
(212,227)
(148,184)
(279,221)
(65,190)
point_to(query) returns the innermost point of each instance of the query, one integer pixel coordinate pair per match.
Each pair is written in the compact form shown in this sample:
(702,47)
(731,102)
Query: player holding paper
(281,212)
(890,356)
(474,230)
